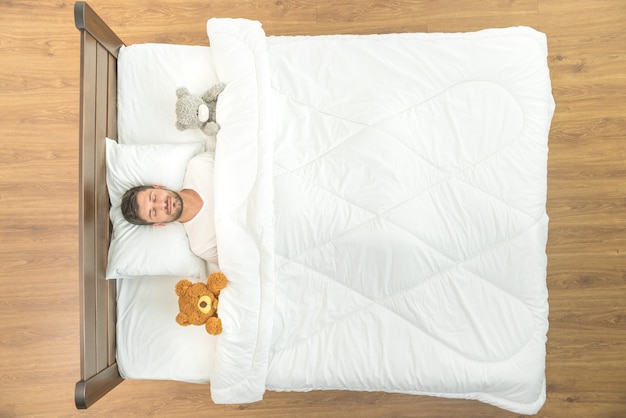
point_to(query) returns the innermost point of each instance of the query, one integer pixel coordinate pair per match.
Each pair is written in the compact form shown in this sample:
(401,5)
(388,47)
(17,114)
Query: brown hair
(130,208)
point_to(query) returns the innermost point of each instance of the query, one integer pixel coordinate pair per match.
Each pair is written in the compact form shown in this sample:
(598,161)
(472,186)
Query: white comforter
(380,213)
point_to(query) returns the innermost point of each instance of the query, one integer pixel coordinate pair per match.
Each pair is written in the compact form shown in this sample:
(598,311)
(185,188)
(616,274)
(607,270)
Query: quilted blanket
(380,212)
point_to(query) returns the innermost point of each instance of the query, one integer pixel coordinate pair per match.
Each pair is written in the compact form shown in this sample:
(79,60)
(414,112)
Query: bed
(381,229)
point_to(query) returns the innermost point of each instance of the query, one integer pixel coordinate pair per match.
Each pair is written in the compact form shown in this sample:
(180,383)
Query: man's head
(151,205)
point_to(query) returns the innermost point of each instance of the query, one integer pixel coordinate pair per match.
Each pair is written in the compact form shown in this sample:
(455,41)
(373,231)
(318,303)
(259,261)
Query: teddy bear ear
(182,286)
(210,128)
(182,91)
(182,319)
(216,282)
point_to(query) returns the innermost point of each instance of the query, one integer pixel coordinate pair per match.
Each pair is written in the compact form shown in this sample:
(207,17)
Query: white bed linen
(148,76)
(409,182)
(380,213)
(149,342)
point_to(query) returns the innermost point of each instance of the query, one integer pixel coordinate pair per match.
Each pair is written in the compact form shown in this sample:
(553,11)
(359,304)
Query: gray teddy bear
(193,111)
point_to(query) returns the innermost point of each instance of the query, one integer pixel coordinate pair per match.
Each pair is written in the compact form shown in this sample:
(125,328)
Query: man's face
(159,205)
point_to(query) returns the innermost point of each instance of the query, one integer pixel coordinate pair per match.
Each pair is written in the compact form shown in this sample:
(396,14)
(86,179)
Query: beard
(176,204)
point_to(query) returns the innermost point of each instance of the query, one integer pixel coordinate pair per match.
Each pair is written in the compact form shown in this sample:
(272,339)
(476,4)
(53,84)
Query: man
(192,206)
(156,205)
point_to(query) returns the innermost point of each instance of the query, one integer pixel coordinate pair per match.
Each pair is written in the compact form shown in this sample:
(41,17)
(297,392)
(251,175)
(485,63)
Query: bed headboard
(98,119)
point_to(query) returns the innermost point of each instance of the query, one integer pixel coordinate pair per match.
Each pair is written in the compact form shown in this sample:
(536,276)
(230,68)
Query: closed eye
(151,212)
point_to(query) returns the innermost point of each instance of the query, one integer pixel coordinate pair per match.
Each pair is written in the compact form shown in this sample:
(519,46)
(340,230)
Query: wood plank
(106,224)
(112,98)
(87,209)
(394,11)
(101,209)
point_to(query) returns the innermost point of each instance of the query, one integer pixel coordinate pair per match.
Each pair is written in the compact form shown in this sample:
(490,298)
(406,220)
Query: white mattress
(380,210)
(150,344)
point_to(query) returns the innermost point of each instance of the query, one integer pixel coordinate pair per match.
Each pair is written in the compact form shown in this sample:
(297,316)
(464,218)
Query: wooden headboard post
(98,119)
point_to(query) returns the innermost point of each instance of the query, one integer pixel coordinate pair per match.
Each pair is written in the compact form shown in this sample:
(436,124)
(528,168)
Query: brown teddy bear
(197,302)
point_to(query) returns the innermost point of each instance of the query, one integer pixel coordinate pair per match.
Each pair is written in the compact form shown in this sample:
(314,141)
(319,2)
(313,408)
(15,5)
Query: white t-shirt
(201,229)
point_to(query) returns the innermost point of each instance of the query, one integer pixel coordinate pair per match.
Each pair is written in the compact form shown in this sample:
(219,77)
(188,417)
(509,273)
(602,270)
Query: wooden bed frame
(98,120)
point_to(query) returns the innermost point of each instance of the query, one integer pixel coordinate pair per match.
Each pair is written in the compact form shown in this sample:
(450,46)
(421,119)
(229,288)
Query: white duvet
(380,213)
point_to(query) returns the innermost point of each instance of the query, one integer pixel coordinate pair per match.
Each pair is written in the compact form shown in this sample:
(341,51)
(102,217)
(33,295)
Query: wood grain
(39,98)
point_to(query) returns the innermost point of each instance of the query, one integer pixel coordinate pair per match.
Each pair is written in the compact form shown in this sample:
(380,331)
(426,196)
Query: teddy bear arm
(182,319)
(212,106)
(212,93)
(214,325)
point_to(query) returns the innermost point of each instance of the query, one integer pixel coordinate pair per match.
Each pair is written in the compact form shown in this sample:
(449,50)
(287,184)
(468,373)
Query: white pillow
(139,250)
(136,165)
(150,343)
(151,251)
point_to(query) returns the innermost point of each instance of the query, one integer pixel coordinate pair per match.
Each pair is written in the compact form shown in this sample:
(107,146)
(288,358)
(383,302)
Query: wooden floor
(39,97)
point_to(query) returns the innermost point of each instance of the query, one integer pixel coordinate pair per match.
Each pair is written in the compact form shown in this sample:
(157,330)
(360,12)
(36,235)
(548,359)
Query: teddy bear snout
(204,304)
(203,113)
